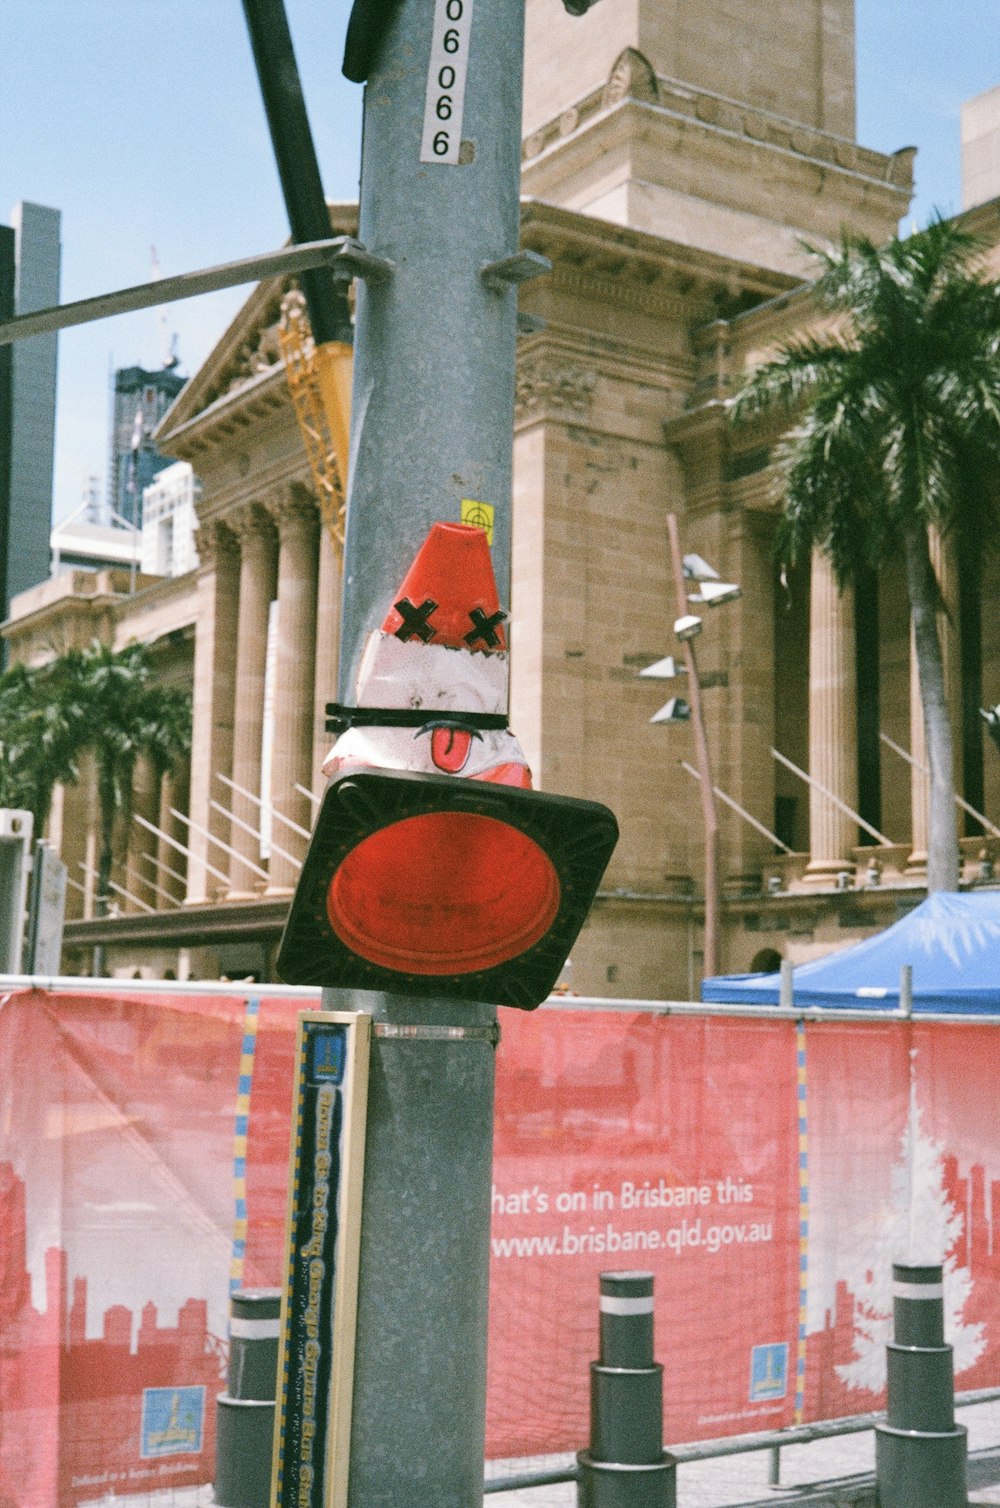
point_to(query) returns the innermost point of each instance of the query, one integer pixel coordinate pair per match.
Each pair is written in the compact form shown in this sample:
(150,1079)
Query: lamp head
(663,670)
(675,711)
(697,569)
(715,593)
(687,627)
(991,717)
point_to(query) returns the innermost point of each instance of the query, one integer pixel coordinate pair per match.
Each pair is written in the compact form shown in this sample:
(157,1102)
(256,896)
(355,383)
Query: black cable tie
(339,718)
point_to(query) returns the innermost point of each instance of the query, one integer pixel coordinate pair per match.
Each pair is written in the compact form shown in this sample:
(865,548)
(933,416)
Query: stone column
(214,689)
(140,842)
(294,691)
(258,551)
(170,862)
(945,564)
(833,758)
(69,818)
(328,598)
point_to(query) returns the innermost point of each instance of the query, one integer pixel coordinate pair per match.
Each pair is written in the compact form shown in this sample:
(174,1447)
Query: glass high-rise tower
(141,399)
(29,279)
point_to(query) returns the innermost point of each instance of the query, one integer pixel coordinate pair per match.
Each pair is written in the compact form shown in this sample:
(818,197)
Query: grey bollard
(244,1440)
(920,1452)
(626,1466)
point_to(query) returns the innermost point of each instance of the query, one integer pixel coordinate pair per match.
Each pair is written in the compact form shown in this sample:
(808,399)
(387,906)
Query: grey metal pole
(432,410)
(431,425)
(786,985)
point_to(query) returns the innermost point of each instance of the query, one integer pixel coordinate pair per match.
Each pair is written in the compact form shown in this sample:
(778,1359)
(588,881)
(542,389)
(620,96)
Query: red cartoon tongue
(450,748)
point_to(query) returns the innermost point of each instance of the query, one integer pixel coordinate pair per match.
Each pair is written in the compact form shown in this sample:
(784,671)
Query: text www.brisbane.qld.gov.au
(689,1235)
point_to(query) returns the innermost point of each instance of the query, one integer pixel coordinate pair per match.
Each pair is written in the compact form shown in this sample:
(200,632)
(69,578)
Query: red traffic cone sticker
(449,594)
(442,648)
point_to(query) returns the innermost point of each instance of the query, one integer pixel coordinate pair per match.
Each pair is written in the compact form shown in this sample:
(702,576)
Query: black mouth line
(453,724)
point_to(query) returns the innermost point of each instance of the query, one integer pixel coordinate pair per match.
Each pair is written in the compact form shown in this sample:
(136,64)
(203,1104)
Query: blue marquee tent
(952,943)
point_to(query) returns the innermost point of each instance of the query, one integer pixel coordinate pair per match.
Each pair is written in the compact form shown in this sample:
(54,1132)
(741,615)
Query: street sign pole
(431,440)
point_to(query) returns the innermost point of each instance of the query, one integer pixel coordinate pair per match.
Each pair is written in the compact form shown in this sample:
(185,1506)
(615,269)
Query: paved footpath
(742,1481)
(826,1474)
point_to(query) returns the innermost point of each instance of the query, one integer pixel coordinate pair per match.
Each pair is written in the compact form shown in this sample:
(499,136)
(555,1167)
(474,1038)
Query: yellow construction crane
(319,381)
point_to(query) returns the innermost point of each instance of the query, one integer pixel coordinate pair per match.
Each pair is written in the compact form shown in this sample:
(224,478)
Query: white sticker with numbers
(445,103)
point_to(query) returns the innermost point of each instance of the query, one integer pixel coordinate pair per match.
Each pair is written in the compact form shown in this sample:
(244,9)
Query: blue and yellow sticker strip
(802,1100)
(247,1052)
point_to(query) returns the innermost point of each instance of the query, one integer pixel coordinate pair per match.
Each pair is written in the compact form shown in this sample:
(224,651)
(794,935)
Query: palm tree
(127,715)
(897,411)
(39,737)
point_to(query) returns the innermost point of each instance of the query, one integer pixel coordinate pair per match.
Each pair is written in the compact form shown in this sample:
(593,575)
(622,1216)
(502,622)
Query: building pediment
(636,269)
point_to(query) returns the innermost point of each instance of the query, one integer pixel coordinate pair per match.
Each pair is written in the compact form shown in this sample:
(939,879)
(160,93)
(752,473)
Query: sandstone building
(676,155)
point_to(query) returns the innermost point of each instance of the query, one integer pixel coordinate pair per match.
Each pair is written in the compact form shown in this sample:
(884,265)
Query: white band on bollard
(611,1305)
(918,1290)
(251,1329)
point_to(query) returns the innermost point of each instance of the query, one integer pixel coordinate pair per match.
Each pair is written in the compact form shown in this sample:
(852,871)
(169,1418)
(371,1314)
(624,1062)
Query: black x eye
(484,628)
(414,624)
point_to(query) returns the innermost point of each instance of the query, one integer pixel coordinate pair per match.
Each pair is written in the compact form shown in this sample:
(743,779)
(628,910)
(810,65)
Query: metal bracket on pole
(353,260)
(509,271)
(529,324)
(391,1030)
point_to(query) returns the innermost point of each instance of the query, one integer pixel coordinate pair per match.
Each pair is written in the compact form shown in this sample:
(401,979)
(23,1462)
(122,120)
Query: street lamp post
(708,808)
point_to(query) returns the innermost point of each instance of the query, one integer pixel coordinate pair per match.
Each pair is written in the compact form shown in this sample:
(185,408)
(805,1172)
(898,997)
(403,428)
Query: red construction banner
(653,1144)
(766,1173)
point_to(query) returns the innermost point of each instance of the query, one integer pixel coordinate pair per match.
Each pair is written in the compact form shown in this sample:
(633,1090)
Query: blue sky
(141,120)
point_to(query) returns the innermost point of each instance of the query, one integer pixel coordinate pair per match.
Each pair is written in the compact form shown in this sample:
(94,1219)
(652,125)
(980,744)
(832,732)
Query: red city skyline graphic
(977,1249)
(71,1407)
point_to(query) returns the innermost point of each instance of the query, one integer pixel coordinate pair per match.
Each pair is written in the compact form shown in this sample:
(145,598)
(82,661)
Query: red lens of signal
(443,893)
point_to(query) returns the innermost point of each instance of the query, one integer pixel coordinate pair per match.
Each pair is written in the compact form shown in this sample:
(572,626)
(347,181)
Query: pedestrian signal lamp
(421,884)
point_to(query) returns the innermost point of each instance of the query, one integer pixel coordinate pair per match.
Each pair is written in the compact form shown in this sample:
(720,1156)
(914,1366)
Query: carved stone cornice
(638,270)
(632,78)
(553,383)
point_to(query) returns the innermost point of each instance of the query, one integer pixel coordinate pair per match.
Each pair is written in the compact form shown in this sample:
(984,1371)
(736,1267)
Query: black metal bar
(295,155)
(529,1479)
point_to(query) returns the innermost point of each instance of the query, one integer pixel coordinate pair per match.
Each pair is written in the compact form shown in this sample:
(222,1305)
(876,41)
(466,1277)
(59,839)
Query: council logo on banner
(768,1372)
(173,1421)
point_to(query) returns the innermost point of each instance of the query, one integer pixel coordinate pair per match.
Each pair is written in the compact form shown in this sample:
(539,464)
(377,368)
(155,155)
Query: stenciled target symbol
(479,516)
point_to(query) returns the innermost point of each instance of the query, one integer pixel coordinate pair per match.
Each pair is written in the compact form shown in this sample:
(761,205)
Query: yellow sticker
(478,514)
